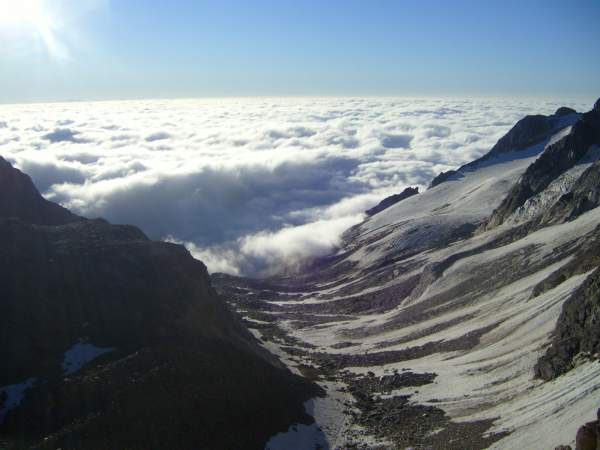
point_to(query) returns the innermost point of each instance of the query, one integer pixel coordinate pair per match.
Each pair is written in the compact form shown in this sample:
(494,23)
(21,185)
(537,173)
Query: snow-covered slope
(428,324)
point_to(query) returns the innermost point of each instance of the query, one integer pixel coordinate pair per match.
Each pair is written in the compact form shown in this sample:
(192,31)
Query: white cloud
(248,184)
(292,246)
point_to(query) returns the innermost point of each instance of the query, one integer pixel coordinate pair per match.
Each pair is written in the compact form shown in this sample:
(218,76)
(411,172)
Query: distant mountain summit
(111,340)
(559,157)
(524,135)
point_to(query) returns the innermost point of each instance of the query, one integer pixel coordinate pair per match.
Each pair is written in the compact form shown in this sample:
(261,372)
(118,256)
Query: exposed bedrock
(577,333)
(556,159)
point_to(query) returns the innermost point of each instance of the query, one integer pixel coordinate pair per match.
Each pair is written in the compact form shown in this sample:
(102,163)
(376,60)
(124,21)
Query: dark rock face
(556,159)
(584,196)
(183,372)
(392,200)
(442,177)
(587,436)
(586,257)
(20,198)
(577,331)
(528,131)
(597,105)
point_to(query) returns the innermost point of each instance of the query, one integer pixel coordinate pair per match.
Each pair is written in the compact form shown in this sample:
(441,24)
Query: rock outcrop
(179,369)
(556,159)
(392,200)
(584,196)
(587,438)
(529,131)
(526,132)
(577,331)
(443,177)
(20,198)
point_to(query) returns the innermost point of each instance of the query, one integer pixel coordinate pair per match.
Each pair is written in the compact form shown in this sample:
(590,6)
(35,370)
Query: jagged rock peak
(20,198)
(556,159)
(392,200)
(525,132)
(530,130)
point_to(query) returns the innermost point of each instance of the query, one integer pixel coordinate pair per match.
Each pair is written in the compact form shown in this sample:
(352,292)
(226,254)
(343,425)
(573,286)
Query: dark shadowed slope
(20,198)
(115,341)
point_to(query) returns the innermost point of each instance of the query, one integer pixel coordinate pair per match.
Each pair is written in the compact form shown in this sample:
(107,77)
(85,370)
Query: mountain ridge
(476,312)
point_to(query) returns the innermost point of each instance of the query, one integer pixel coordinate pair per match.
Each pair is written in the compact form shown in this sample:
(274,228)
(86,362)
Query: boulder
(587,437)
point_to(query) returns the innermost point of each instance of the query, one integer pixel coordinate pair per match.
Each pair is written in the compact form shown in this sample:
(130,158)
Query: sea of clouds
(250,186)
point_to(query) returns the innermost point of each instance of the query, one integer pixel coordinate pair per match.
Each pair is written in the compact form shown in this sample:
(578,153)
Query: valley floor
(449,366)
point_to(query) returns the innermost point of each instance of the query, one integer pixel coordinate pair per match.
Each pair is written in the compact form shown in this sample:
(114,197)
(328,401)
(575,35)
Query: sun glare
(32,18)
(23,12)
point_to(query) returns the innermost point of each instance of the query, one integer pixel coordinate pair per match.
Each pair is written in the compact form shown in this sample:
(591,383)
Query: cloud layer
(250,185)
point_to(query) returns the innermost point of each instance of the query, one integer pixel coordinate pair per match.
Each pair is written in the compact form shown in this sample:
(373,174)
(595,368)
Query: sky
(62,50)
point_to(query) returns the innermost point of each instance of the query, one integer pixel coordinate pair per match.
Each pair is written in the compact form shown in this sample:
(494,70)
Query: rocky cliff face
(556,160)
(121,342)
(584,196)
(577,332)
(21,199)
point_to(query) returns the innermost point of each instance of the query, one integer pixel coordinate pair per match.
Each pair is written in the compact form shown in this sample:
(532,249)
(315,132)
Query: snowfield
(473,317)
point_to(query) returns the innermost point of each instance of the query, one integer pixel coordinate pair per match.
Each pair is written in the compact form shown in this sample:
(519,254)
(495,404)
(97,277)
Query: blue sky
(108,49)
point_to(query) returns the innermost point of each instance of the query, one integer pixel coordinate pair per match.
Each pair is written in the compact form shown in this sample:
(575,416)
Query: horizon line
(505,96)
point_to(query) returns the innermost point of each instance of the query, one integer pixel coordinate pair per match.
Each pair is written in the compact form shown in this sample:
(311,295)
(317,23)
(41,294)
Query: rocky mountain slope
(463,317)
(110,340)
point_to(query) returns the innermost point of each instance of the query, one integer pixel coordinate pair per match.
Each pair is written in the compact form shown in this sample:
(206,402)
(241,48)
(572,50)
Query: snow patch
(300,436)
(14,395)
(80,354)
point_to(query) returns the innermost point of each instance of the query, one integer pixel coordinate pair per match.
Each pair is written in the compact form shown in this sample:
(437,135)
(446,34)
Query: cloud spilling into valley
(249,185)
